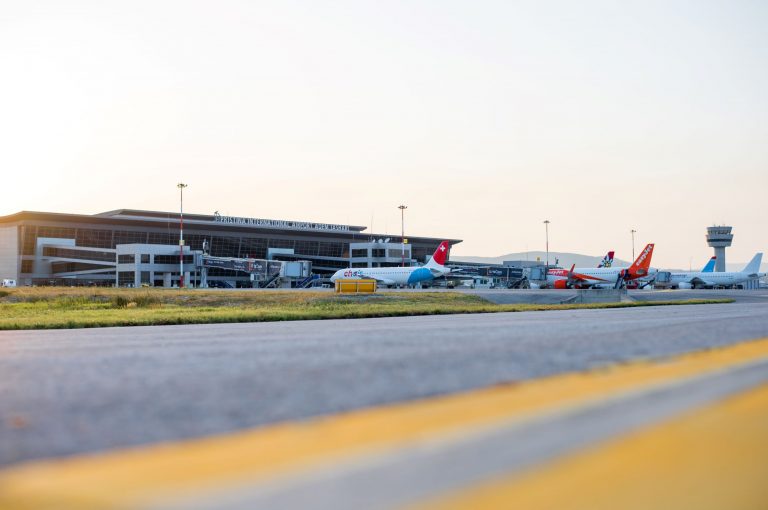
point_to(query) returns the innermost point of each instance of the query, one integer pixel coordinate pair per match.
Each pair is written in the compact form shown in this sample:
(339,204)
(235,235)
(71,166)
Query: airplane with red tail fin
(602,277)
(607,260)
(400,275)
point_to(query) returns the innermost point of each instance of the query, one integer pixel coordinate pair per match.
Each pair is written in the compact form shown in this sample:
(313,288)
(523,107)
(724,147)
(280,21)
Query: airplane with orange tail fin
(602,277)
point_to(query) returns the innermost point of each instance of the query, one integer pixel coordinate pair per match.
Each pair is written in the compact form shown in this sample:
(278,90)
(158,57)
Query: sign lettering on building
(293,225)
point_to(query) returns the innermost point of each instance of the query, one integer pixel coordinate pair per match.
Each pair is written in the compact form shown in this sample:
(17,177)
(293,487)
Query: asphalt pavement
(555,296)
(64,392)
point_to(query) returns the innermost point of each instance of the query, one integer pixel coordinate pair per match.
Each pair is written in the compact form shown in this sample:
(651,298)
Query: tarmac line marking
(410,474)
(138,477)
(710,458)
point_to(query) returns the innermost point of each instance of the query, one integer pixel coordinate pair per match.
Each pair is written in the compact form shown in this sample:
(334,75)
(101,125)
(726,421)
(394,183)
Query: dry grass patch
(42,308)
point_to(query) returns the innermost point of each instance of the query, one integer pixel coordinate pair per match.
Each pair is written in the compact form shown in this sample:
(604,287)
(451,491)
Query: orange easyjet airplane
(602,277)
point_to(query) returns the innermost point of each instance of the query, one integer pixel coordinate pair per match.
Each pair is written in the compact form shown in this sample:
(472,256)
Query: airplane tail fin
(440,256)
(607,260)
(710,267)
(754,264)
(642,264)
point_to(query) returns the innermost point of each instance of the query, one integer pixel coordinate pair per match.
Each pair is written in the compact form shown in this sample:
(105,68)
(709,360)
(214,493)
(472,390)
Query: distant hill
(563,259)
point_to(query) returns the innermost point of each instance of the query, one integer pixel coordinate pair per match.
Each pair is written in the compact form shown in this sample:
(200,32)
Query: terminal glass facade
(53,248)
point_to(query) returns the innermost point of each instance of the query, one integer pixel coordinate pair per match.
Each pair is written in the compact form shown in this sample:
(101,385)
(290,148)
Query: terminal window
(129,237)
(94,238)
(172,259)
(330,249)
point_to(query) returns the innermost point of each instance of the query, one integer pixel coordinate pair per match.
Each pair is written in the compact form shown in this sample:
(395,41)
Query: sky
(485,118)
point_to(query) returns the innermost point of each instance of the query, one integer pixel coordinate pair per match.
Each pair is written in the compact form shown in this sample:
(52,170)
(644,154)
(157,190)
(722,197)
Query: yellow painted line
(714,458)
(132,477)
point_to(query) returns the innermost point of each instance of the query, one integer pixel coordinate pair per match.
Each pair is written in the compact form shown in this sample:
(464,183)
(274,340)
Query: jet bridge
(252,272)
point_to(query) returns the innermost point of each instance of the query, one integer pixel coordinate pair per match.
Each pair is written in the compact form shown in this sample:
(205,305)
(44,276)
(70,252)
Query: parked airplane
(705,280)
(607,260)
(603,277)
(710,267)
(400,275)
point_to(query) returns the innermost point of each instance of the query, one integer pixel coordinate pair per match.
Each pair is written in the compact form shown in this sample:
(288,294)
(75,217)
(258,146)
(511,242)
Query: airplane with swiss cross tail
(400,275)
(602,277)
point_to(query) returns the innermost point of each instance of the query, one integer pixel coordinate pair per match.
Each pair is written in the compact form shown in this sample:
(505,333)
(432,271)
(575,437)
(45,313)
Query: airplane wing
(577,277)
(696,281)
(581,278)
(584,281)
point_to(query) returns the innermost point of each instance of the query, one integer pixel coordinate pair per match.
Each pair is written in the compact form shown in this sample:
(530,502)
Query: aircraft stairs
(271,281)
(519,283)
(307,282)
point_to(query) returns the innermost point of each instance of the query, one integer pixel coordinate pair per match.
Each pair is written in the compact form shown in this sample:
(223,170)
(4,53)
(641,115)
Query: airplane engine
(683,285)
(560,284)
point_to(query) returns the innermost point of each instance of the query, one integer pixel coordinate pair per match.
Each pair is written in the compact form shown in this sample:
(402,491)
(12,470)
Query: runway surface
(86,390)
(69,392)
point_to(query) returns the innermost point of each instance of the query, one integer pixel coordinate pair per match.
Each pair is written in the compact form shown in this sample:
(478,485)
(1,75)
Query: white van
(9,283)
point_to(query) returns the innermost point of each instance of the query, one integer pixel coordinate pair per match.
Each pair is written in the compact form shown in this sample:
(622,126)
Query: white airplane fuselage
(711,279)
(400,275)
(389,275)
(705,279)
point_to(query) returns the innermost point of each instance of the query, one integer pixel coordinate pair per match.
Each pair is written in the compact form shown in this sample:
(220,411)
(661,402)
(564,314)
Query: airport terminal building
(43,248)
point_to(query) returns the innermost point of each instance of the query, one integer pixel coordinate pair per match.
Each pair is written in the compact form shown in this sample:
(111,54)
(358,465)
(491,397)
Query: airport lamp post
(633,242)
(546,230)
(181,187)
(402,230)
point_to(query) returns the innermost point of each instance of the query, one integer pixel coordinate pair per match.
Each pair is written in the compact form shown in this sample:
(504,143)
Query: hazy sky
(484,117)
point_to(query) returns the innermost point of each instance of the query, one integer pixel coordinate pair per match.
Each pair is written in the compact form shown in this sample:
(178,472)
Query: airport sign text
(294,225)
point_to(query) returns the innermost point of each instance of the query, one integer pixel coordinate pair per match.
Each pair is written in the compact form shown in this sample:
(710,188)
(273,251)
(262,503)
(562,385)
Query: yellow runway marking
(134,477)
(715,458)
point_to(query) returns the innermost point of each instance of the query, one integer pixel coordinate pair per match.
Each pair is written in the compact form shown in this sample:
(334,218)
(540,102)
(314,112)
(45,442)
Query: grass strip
(56,308)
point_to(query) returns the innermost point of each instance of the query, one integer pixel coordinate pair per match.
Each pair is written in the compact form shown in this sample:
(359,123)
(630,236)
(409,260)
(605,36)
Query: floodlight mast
(181,187)
(402,231)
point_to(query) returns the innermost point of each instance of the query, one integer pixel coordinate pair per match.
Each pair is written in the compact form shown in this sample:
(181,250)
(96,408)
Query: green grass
(46,308)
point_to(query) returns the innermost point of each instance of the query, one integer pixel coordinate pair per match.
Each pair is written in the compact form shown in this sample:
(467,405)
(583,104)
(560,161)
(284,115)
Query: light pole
(181,187)
(402,230)
(546,230)
(633,242)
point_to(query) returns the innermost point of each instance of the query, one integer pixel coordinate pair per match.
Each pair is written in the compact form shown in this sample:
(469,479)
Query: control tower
(719,238)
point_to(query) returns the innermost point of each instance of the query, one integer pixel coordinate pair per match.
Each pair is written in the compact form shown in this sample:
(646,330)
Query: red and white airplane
(602,277)
(401,275)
